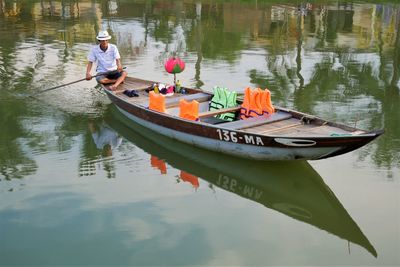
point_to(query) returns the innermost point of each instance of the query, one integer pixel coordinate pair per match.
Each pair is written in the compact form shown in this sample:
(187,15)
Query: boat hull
(239,143)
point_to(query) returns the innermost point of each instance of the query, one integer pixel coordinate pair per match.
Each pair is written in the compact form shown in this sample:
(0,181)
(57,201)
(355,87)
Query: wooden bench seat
(174,101)
(257,121)
(211,113)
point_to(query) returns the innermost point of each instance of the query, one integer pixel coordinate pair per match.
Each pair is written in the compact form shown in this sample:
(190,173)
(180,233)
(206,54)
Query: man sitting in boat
(108,59)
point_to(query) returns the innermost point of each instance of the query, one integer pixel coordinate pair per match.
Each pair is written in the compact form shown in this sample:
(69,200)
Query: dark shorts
(112,76)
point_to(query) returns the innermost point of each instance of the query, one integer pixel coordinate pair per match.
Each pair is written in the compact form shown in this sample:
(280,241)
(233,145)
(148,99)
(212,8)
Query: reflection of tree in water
(14,162)
(18,77)
(220,32)
(389,97)
(348,87)
(355,81)
(216,42)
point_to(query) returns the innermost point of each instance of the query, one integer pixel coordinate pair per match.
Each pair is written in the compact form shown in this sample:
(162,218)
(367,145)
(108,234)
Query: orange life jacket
(159,164)
(255,103)
(189,110)
(187,177)
(156,102)
(245,107)
(266,103)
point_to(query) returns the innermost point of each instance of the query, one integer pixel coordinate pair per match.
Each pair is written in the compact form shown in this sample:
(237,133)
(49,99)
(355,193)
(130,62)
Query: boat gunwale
(239,142)
(296,114)
(370,134)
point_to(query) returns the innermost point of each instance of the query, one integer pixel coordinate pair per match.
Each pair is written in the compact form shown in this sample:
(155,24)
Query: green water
(65,199)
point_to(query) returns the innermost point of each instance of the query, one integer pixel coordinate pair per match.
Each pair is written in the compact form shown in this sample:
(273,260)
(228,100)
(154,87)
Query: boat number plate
(229,136)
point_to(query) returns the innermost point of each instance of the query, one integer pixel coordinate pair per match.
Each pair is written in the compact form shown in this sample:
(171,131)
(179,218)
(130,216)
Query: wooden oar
(80,80)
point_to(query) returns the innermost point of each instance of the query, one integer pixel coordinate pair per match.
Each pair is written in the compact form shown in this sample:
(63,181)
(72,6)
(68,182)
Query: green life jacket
(223,98)
(230,102)
(217,102)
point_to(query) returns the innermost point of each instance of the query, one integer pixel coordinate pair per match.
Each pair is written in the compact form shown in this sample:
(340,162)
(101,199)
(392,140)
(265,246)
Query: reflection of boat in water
(292,188)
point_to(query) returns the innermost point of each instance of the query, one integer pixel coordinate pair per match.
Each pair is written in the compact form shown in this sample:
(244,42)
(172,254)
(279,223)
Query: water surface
(80,187)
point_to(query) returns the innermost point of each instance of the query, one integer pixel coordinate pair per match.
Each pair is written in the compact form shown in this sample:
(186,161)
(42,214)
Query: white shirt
(106,60)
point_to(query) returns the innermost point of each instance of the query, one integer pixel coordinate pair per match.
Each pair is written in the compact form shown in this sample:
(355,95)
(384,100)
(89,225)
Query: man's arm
(117,57)
(119,65)
(88,69)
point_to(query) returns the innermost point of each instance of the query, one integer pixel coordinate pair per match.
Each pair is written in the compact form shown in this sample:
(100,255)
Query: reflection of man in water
(105,138)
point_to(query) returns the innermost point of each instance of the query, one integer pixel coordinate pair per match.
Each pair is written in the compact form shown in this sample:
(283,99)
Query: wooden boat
(291,188)
(283,135)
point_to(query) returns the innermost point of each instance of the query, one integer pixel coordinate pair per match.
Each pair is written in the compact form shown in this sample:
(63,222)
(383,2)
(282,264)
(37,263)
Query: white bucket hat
(103,35)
